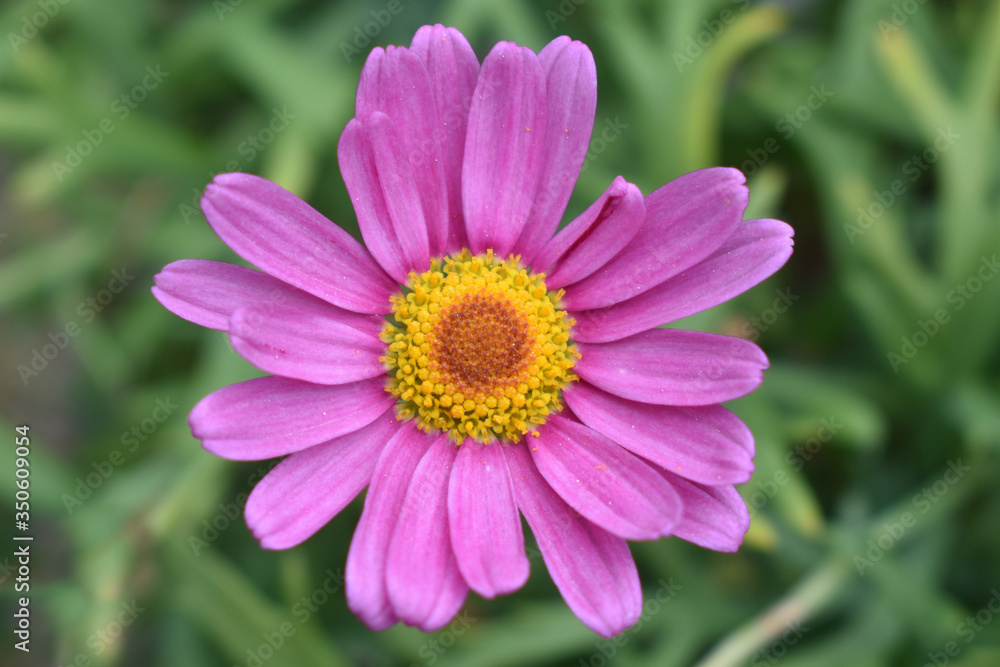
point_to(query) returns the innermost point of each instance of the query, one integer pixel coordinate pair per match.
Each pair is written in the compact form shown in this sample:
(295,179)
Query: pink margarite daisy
(473,364)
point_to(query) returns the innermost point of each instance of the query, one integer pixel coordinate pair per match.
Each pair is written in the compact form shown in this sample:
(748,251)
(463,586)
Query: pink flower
(521,370)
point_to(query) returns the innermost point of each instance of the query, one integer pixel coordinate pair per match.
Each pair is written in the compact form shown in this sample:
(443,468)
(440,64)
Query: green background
(870,126)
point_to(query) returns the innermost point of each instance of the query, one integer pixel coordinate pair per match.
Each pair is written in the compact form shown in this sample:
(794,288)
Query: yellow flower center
(479,349)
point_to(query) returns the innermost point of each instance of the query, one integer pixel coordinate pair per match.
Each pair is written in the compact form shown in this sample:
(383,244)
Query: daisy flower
(471,364)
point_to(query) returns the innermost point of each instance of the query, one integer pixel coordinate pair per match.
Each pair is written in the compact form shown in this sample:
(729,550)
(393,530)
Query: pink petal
(673,367)
(594,237)
(273,416)
(395,82)
(592,568)
(453,69)
(282,235)
(422,577)
(686,221)
(275,326)
(484,523)
(503,148)
(603,482)
(755,250)
(208,293)
(308,339)
(571,99)
(303,492)
(707,444)
(366,560)
(383,189)
(715,517)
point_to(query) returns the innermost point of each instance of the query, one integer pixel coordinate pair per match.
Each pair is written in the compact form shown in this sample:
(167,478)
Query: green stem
(812,594)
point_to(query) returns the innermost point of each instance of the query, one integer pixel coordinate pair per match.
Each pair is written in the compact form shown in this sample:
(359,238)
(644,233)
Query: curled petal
(686,220)
(594,237)
(755,250)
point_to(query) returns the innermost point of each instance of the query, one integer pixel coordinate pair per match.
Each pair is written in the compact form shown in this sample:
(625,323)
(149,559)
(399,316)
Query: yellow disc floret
(479,349)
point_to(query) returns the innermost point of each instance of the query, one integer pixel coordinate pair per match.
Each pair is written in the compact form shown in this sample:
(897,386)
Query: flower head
(471,364)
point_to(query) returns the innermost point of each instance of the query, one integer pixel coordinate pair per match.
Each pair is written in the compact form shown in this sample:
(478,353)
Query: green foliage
(871,127)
